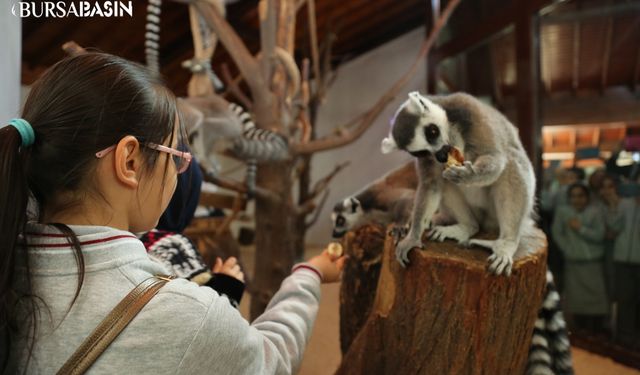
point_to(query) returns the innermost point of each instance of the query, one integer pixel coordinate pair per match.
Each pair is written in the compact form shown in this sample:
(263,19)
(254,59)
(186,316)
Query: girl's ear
(128,161)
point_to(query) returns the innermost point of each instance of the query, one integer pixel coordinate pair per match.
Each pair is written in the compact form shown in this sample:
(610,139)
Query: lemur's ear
(416,104)
(388,145)
(354,205)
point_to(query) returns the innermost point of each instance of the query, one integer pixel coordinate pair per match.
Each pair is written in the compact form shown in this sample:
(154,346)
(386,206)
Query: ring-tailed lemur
(256,144)
(214,125)
(386,200)
(152,45)
(211,119)
(372,205)
(494,188)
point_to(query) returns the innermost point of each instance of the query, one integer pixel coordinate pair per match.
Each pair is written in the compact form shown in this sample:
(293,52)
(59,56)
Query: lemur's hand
(403,248)
(459,174)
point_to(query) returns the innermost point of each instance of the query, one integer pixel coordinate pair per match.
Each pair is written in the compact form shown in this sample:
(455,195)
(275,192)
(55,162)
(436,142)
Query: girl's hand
(330,266)
(229,267)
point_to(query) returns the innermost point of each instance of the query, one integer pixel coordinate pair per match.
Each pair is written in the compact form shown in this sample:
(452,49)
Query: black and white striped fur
(152,35)
(550,352)
(255,143)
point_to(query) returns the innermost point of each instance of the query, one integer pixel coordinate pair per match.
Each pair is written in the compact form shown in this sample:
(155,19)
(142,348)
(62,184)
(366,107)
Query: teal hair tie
(25,130)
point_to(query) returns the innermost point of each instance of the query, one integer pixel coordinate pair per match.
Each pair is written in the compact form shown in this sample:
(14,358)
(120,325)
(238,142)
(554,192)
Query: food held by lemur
(493,187)
(454,158)
(335,250)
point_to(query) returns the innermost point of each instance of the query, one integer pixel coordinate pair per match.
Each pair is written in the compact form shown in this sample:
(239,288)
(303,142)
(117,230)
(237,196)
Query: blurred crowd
(593,223)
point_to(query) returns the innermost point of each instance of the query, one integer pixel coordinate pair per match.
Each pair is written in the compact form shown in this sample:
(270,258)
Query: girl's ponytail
(14,195)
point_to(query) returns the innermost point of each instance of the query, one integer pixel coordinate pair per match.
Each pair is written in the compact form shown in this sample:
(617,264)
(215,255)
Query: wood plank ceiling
(359,25)
(586,45)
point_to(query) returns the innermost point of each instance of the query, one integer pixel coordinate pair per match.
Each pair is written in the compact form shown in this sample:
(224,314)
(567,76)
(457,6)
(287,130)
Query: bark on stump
(444,314)
(359,279)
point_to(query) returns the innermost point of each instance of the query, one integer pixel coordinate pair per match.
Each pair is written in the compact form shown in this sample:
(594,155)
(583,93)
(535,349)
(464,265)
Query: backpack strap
(107,331)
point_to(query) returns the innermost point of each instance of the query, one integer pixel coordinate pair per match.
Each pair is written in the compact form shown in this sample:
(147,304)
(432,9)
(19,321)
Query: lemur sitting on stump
(494,187)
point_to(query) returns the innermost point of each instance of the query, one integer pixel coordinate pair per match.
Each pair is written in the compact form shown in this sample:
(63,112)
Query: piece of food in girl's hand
(335,250)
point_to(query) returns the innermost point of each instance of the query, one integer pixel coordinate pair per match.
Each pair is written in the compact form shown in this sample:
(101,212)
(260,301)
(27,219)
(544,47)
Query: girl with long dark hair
(92,160)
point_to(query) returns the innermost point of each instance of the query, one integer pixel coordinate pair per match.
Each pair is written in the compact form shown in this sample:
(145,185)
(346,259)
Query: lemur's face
(344,216)
(419,127)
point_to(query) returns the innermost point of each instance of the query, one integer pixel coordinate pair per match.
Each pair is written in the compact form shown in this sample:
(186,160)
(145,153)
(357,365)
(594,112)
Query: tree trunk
(274,235)
(444,314)
(275,221)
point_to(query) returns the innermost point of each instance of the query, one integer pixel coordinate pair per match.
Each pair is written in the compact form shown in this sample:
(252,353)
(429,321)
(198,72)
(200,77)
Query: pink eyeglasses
(180,158)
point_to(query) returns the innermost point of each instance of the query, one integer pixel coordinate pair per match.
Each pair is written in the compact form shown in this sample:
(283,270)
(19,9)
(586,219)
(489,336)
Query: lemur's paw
(403,248)
(500,264)
(459,174)
(501,261)
(455,232)
(398,232)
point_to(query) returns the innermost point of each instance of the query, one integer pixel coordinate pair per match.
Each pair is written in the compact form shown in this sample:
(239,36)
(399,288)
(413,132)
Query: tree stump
(444,314)
(359,279)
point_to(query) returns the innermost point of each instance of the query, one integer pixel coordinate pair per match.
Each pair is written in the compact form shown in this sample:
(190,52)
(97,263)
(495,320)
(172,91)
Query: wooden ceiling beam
(636,73)
(610,10)
(375,15)
(547,67)
(498,96)
(480,32)
(431,15)
(575,70)
(606,59)
(527,33)
(496,77)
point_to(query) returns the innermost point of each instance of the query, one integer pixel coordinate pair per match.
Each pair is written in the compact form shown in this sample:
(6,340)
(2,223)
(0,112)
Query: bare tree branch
(316,214)
(326,50)
(239,187)
(300,4)
(332,142)
(268,25)
(304,209)
(290,69)
(321,186)
(303,111)
(234,88)
(323,183)
(313,35)
(237,207)
(246,63)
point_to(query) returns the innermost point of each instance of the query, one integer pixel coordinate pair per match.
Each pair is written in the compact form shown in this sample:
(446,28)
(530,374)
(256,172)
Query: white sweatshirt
(185,329)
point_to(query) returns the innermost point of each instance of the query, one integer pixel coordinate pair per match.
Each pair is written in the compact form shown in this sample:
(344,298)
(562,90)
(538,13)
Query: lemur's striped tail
(152,35)
(259,144)
(550,351)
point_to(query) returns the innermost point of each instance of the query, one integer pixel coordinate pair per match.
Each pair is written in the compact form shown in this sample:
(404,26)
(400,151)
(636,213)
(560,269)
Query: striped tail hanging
(550,350)
(255,143)
(152,35)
